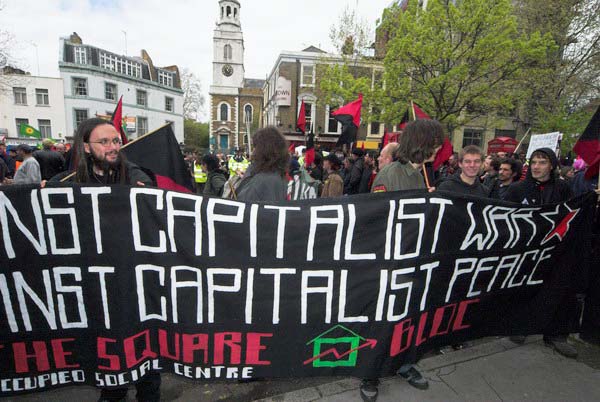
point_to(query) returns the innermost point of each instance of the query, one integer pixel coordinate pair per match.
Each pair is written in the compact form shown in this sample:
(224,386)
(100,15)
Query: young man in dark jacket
(542,186)
(467,181)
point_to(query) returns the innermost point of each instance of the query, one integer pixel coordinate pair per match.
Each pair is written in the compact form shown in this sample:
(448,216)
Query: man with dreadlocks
(99,160)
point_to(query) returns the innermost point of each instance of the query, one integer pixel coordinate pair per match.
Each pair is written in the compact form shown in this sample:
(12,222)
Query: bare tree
(353,35)
(193,100)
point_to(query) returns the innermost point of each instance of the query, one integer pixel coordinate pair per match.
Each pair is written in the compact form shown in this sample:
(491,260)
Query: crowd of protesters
(266,173)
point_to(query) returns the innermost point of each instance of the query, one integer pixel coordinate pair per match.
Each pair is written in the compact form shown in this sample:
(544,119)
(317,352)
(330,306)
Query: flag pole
(522,139)
(412,110)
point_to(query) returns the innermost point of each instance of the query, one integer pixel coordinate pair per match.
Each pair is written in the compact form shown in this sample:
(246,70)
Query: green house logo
(326,348)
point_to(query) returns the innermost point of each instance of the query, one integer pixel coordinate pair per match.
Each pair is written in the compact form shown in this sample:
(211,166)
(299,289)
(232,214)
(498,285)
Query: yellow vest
(199,175)
(234,166)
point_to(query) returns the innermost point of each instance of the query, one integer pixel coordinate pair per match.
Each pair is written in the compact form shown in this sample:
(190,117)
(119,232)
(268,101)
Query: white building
(94,79)
(36,101)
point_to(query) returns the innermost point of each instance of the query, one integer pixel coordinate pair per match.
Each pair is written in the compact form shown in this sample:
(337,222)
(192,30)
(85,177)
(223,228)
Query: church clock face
(227,70)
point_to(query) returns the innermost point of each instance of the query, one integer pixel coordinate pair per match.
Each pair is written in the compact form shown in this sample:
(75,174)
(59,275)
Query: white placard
(538,141)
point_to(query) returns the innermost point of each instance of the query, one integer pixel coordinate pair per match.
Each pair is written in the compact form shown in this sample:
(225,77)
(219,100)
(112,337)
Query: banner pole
(64,179)
(522,139)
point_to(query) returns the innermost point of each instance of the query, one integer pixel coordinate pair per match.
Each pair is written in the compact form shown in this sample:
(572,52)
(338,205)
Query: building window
(142,126)
(80,87)
(248,113)
(228,53)
(80,55)
(308,113)
(165,78)
(333,126)
(19,122)
(45,128)
(228,11)
(224,112)
(308,75)
(41,97)
(120,65)
(20,96)
(472,137)
(110,91)
(141,97)
(375,125)
(168,104)
(80,116)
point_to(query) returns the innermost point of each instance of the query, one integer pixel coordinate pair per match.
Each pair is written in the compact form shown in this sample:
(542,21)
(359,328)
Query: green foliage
(570,123)
(457,60)
(341,83)
(195,134)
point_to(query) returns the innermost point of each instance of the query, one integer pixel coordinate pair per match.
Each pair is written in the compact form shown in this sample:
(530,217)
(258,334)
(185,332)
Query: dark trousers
(148,390)
(590,326)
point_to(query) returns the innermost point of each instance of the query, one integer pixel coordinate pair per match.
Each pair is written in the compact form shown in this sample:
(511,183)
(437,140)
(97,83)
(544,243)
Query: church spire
(229,12)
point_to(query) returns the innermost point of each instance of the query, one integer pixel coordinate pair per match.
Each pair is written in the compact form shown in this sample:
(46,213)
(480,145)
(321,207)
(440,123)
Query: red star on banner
(561,229)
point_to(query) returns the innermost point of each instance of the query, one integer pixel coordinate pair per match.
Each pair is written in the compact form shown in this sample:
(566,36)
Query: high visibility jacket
(199,174)
(235,166)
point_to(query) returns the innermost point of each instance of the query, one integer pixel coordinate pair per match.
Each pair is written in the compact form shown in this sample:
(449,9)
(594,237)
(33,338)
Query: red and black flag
(588,145)
(309,157)
(117,120)
(159,152)
(404,121)
(301,122)
(349,116)
(446,150)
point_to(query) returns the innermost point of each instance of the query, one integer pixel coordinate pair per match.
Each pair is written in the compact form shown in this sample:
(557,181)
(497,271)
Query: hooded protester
(541,184)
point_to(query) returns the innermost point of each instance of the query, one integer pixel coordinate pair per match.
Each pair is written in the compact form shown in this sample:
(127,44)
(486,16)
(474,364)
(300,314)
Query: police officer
(238,164)
(200,176)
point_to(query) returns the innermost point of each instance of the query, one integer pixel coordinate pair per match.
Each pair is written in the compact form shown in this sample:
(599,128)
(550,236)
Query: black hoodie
(455,184)
(533,192)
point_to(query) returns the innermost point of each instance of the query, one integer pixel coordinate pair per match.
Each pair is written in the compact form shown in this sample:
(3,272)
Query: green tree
(343,77)
(195,134)
(558,96)
(458,59)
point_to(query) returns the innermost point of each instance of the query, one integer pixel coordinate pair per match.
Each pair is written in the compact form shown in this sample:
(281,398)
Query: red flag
(443,154)
(446,150)
(349,116)
(419,113)
(117,120)
(292,147)
(588,145)
(301,124)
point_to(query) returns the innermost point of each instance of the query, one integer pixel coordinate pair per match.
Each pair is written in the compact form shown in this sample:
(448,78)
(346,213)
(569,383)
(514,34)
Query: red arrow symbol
(369,342)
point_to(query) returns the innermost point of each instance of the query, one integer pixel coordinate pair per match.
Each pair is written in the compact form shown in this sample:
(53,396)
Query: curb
(451,357)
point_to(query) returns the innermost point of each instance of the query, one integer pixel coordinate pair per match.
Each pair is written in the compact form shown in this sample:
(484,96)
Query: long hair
(84,162)
(269,152)
(419,140)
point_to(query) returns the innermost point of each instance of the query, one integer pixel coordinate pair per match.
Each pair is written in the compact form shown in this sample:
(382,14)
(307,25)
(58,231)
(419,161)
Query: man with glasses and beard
(98,157)
(99,160)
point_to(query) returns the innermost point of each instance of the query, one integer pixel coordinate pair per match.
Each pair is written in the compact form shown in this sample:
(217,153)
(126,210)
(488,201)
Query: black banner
(99,285)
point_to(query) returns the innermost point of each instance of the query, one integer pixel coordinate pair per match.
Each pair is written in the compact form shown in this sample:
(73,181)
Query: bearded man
(99,157)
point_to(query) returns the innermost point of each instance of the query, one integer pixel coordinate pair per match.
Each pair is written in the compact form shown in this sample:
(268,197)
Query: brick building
(295,78)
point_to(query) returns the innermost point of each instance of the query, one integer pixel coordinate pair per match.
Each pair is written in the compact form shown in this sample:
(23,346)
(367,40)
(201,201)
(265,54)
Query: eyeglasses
(105,142)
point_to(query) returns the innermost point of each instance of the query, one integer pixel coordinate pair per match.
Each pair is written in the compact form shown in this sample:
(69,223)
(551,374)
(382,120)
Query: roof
(313,49)
(253,83)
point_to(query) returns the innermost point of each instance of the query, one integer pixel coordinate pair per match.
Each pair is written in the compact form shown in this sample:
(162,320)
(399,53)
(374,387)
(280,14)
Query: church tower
(228,76)
(228,47)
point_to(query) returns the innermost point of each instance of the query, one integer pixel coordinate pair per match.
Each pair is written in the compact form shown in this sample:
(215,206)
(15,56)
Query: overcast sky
(173,32)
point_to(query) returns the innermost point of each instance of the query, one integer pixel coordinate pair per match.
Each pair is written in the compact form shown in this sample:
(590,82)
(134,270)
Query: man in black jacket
(542,186)
(467,181)
(51,162)
(356,172)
